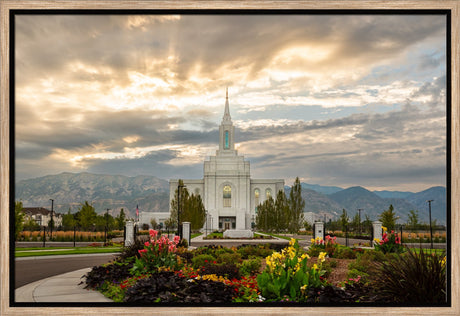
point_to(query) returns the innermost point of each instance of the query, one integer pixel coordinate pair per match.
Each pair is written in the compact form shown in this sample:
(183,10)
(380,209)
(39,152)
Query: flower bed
(158,271)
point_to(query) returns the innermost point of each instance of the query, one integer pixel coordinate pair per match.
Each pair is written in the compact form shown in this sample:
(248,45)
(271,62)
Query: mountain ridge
(69,190)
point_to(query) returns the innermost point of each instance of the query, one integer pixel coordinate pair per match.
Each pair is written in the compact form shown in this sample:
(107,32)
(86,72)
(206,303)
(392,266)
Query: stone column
(186,233)
(129,233)
(377,230)
(240,219)
(319,230)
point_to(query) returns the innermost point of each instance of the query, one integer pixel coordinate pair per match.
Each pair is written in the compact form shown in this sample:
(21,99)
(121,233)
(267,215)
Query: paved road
(31,269)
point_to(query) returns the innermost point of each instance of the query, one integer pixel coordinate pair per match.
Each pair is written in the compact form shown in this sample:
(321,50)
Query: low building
(160,218)
(42,216)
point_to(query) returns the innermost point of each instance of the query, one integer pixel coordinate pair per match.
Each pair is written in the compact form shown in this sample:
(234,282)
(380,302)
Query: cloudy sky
(339,100)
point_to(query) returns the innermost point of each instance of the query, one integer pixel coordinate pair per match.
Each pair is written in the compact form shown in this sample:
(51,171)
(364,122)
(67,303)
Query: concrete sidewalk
(62,288)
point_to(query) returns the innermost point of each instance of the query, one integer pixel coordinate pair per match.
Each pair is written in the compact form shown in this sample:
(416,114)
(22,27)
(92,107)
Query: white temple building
(229,194)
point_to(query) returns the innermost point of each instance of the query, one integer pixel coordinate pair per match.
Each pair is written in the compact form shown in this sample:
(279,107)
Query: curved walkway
(60,288)
(65,287)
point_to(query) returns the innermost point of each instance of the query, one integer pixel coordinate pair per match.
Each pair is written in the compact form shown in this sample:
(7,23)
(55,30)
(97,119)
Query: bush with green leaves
(234,257)
(201,260)
(414,278)
(343,252)
(230,271)
(250,266)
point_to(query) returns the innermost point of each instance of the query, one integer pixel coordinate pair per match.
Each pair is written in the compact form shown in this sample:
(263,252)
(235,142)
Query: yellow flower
(312,241)
(297,267)
(315,267)
(384,228)
(303,287)
(443,261)
(322,256)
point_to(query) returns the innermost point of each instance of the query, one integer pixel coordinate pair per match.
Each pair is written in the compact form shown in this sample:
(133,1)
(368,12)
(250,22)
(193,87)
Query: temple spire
(227,118)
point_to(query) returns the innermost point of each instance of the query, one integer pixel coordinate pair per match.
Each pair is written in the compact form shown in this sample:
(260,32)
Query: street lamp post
(52,222)
(106,225)
(431,230)
(206,227)
(179,231)
(359,219)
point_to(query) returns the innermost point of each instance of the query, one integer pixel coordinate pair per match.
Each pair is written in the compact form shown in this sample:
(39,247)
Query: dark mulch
(351,294)
(112,273)
(167,287)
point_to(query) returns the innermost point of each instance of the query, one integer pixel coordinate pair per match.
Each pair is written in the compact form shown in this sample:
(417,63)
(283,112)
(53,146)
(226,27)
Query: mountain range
(69,190)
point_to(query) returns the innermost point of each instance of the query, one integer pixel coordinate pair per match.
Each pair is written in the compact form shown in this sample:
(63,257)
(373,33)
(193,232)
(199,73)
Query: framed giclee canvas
(105,105)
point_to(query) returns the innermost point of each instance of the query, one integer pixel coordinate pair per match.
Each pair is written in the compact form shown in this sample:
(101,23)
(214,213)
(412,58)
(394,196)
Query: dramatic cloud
(334,99)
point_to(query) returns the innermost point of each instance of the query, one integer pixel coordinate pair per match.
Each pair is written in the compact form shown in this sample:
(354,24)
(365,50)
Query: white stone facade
(229,194)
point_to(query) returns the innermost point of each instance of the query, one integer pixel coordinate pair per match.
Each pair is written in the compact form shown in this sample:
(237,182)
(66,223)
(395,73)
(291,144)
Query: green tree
(367,224)
(120,220)
(51,224)
(31,225)
(191,208)
(296,205)
(355,222)
(388,218)
(413,221)
(194,211)
(281,212)
(174,203)
(265,210)
(18,219)
(344,219)
(154,223)
(170,223)
(68,221)
(307,226)
(87,216)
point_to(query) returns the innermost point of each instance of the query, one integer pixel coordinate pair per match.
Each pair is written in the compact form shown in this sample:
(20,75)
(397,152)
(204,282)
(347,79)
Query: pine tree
(388,218)
(120,220)
(296,204)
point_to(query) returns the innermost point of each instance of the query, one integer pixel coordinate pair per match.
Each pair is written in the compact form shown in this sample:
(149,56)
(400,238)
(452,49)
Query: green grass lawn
(34,252)
(427,250)
(278,236)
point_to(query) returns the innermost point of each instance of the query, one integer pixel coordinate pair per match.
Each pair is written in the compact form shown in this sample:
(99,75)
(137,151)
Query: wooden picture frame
(452,6)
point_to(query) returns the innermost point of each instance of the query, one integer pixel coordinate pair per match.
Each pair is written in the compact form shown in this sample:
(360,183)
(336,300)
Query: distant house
(42,216)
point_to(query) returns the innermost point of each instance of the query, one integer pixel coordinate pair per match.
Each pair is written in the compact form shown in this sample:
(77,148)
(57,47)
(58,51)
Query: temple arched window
(268,193)
(226,140)
(227,195)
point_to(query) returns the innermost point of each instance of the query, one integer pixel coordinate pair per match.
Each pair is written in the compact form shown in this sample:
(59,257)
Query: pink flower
(153,233)
(147,244)
(142,251)
(176,239)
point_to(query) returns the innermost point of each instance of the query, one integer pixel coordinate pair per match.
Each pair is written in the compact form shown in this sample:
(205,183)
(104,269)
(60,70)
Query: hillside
(104,191)
(152,194)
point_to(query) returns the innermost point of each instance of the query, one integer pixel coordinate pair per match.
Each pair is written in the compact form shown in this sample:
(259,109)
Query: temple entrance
(226,223)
